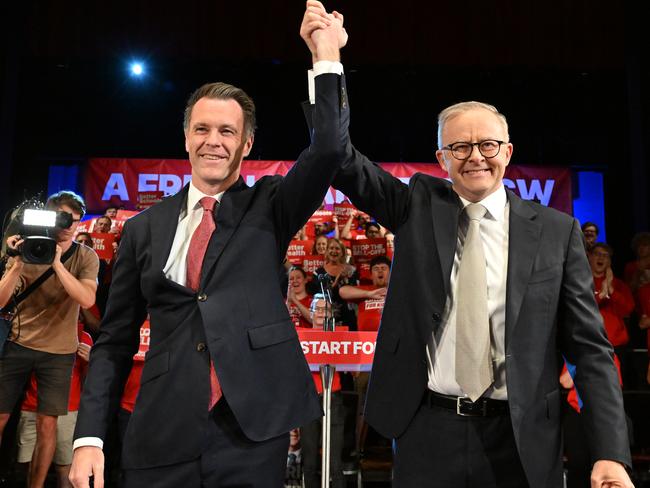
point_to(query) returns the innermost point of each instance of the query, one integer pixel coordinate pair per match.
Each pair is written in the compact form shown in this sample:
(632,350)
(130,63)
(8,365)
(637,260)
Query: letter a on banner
(115,186)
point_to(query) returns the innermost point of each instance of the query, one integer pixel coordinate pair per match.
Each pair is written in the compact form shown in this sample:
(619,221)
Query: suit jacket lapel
(523,244)
(230,211)
(445,213)
(164,222)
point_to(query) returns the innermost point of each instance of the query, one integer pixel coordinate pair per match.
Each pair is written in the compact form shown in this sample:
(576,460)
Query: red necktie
(195,255)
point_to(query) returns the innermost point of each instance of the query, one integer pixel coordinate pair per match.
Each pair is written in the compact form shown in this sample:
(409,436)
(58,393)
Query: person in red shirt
(26,433)
(298,300)
(613,296)
(370,297)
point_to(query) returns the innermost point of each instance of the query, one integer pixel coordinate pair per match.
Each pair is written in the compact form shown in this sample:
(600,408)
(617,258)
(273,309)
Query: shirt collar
(495,203)
(194,195)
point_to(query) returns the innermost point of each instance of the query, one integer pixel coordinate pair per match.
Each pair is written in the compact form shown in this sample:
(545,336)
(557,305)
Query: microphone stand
(326,374)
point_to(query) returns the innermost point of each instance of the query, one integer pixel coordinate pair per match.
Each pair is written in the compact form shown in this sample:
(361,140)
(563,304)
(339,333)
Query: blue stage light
(137,69)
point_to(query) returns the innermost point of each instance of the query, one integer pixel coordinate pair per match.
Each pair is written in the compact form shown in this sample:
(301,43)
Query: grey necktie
(473,354)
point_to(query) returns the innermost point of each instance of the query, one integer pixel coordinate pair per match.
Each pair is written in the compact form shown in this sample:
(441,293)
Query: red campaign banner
(312,263)
(347,351)
(103,245)
(298,250)
(116,181)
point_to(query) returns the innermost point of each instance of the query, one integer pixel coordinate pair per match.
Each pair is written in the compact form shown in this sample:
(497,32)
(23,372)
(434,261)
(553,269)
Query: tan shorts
(26,437)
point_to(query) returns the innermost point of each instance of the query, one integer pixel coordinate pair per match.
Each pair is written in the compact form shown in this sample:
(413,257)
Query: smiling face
(335,253)
(591,234)
(476,177)
(297,281)
(102,225)
(320,245)
(216,143)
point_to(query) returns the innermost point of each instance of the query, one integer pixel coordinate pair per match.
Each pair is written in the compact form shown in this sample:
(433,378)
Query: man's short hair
(372,223)
(462,107)
(379,260)
(602,245)
(68,198)
(223,91)
(589,224)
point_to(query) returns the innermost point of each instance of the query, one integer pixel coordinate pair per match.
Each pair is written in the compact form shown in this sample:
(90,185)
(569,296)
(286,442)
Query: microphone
(324,278)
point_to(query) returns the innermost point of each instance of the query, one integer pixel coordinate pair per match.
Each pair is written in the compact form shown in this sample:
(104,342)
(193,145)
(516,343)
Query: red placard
(363,250)
(298,250)
(312,263)
(347,351)
(145,333)
(103,245)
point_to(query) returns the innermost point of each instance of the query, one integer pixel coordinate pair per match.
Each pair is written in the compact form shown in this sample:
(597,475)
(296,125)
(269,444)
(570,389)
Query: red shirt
(132,386)
(294,312)
(78,372)
(370,310)
(613,309)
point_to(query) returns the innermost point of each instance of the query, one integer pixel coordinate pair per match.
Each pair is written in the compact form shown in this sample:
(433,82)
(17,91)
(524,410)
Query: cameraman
(43,339)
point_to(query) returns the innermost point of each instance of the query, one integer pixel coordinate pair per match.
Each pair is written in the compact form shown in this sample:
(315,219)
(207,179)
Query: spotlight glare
(137,69)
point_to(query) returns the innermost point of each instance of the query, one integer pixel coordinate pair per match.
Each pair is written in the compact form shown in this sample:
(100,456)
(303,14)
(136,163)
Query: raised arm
(304,187)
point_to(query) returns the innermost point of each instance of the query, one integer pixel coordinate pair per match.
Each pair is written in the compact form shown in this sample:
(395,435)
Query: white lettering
(324,348)
(115,186)
(535,192)
(170,184)
(145,182)
(345,345)
(368,347)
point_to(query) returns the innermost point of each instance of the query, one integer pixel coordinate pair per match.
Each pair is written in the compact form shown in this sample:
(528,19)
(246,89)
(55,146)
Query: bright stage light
(137,69)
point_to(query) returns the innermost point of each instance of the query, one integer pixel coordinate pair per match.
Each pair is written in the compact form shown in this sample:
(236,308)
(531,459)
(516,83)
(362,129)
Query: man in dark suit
(486,294)
(225,378)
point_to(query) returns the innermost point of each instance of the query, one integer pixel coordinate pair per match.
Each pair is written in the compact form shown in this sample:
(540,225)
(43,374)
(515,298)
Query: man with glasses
(44,338)
(487,292)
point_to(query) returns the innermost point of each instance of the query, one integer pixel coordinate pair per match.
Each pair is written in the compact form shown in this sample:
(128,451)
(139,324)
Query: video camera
(35,225)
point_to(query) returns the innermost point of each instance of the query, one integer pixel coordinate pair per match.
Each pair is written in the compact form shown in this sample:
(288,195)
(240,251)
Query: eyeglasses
(320,309)
(488,148)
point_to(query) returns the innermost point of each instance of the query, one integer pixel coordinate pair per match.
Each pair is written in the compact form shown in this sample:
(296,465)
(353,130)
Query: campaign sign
(347,351)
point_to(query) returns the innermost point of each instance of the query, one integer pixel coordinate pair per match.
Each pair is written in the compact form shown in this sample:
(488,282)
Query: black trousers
(230,460)
(443,449)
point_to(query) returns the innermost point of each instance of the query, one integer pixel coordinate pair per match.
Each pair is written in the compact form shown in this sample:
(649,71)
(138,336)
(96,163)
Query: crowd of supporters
(345,254)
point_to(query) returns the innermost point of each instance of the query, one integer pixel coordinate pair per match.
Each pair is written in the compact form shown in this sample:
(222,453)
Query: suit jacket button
(201,347)
(436,317)
(202,297)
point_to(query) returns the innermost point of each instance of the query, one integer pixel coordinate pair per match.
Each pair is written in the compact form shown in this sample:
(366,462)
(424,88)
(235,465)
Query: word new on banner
(347,351)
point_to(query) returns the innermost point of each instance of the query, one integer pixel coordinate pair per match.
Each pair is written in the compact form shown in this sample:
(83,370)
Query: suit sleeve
(373,190)
(302,190)
(112,355)
(584,343)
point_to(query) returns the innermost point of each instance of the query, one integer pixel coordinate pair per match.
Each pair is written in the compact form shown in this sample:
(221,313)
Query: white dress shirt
(441,349)
(189,219)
